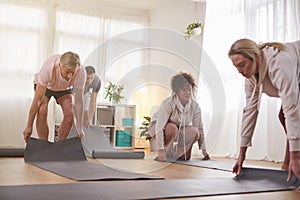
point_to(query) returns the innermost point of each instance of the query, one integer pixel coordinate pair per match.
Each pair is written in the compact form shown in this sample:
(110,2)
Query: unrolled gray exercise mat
(96,145)
(251,181)
(211,164)
(11,152)
(66,158)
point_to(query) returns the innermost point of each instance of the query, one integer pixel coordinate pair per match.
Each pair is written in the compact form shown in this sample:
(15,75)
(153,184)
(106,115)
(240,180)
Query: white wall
(174,16)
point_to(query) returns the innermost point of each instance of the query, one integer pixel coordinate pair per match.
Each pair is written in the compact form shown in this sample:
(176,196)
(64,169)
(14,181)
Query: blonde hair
(71,59)
(250,49)
(277,45)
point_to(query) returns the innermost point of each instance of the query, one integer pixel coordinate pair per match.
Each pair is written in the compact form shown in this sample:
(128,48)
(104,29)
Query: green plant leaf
(189,29)
(113,92)
(145,128)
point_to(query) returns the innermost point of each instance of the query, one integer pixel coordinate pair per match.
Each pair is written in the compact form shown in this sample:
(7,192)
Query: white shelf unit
(119,121)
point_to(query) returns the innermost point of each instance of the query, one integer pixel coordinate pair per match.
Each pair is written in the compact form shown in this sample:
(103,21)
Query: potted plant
(192,29)
(145,128)
(113,92)
(145,133)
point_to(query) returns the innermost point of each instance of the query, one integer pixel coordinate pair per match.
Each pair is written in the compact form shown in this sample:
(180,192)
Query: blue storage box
(123,138)
(127,121)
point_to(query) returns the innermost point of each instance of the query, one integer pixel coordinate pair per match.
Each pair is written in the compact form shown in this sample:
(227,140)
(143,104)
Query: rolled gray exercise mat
(11,152)
(118,154)
(96,145)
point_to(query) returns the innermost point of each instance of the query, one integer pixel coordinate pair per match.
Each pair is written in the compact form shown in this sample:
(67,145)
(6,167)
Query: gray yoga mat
(66,158)
(96,145)
(250,181)
(11,152)
(210,164)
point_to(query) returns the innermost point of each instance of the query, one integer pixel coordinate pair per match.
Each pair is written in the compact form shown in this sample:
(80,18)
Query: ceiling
(143,4)
(137,4)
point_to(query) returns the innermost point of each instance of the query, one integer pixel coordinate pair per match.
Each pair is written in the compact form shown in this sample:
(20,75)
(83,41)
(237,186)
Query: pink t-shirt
(50,76)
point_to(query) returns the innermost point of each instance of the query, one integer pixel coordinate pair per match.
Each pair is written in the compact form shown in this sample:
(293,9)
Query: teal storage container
(123,138)
(127,121)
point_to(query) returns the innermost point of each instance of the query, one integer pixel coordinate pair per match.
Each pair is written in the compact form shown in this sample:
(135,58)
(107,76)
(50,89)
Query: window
(85,32)
(22,29)
(77,32)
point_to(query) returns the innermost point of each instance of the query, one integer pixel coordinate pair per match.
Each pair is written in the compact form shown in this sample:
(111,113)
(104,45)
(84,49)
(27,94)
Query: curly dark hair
(180,80)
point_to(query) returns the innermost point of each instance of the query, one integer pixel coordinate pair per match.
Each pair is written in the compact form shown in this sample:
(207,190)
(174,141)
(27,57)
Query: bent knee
(194,131)
(43,110)
(171,130)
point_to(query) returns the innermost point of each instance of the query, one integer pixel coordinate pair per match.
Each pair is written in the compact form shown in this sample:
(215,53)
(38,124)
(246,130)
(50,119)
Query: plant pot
(197,31)
(113,101)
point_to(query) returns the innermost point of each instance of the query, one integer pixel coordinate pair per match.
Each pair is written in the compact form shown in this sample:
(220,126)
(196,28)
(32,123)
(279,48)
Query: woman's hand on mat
(205,154)
(237,168)
(161,155)
(27,133)
(294,166)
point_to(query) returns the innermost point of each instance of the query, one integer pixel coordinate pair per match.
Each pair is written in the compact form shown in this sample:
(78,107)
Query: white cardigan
(279,76)
(171,110)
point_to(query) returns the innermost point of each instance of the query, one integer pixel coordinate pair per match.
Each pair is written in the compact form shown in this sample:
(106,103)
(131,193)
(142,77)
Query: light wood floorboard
(14,171)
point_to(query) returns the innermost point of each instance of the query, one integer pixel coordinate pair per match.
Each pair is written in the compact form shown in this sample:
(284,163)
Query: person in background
(177,124)
(91,90)
(59,76)
(272,68)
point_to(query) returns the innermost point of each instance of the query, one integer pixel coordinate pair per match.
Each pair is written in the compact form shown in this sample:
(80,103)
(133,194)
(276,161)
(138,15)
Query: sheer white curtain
(262,21)
(77,30)
(271,20)
(22,49)
(84,31)
(223,25)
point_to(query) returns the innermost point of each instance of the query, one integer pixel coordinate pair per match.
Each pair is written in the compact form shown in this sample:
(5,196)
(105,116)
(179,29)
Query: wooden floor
(13,171)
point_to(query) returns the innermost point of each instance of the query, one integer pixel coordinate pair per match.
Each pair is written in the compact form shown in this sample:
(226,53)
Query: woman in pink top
(177,124)
(272,68)
(59,77)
